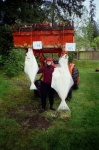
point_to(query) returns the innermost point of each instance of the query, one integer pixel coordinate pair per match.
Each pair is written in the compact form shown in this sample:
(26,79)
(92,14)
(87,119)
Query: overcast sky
(97,7)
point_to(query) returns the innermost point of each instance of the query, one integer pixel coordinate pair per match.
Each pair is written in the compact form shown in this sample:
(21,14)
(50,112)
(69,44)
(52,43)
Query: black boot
(51,108)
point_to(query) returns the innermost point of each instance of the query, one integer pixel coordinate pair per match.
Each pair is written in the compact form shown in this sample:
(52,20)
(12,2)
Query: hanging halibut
(62,81)
(31,67)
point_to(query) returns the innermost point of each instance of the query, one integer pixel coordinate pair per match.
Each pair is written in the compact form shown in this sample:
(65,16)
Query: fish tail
(33,87)
(63,106)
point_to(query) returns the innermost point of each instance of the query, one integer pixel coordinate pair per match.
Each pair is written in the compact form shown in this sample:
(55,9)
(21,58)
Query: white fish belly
(62,82)
(31,68)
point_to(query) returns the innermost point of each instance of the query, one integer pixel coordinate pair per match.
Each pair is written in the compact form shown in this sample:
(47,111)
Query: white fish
(31,67)
(62,81)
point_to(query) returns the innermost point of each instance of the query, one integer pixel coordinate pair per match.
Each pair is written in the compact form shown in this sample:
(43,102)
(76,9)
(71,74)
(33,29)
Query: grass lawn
(22,127)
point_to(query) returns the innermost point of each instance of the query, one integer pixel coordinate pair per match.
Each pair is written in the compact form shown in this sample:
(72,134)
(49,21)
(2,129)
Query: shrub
(15,62)
(70,54)
(6,40)
(1,60)
(95,43)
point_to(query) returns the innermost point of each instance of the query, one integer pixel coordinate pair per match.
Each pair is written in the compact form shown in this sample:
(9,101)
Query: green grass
(18,105)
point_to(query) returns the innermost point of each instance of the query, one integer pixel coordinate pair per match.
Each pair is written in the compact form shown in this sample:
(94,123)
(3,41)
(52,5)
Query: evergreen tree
(32,10)
(71,6)
(92,10)
(24,10)
(59,10)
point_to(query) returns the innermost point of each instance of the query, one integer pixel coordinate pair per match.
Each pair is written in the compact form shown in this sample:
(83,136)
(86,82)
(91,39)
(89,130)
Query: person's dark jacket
(47,73)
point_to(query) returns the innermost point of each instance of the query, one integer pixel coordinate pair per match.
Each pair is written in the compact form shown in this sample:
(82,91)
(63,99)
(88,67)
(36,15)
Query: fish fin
(63,106)
(33,87)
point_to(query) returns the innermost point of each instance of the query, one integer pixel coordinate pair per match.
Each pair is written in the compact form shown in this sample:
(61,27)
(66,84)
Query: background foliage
(6,40)
(6,43)
(15,62)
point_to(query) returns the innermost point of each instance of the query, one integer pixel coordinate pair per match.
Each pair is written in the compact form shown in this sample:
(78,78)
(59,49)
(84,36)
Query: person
(46,89)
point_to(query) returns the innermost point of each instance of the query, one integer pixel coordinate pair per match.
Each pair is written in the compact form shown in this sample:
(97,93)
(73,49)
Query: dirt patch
(30,118)
(36,121)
